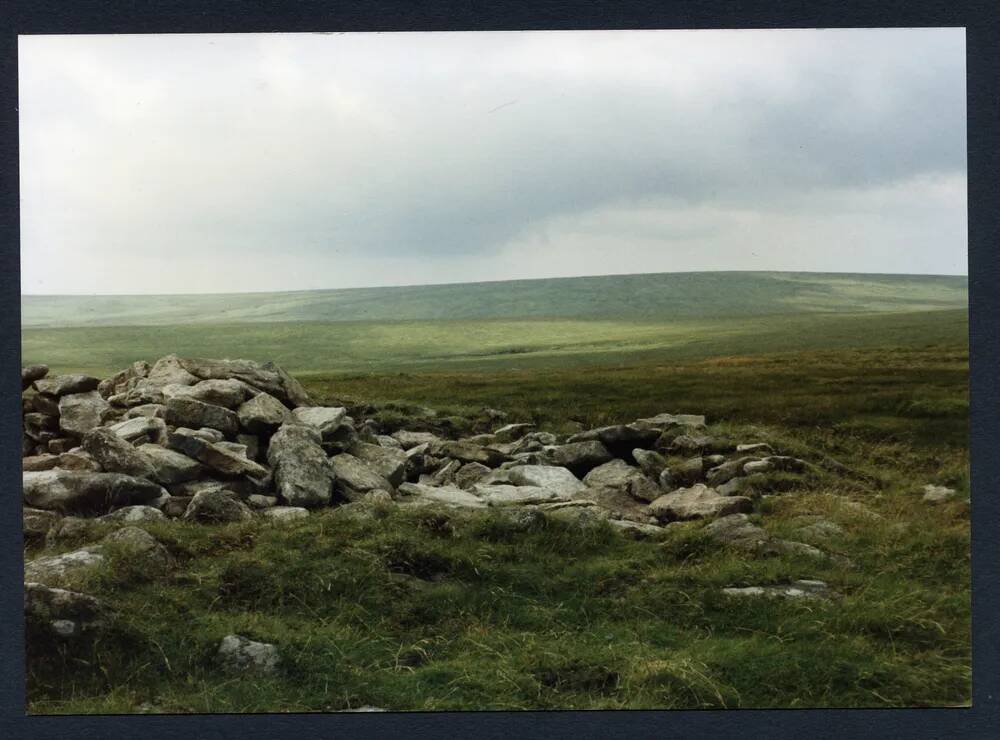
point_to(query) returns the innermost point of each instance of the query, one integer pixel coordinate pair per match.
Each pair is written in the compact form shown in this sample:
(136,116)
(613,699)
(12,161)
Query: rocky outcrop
(216,441)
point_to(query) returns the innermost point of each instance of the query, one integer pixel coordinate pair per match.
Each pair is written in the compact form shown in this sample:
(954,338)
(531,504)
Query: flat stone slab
(447,495)
(552,477)
(504,495)
(937,494)
(697,502)
(802,589)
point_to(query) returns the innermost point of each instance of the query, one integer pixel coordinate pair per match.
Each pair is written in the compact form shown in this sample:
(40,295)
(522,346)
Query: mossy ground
(426,612)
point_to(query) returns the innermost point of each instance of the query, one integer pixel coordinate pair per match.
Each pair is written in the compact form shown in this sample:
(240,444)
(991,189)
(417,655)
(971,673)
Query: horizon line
(489,282)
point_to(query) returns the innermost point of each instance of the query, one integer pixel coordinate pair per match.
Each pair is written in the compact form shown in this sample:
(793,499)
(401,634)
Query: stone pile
(216,441)
(227,440)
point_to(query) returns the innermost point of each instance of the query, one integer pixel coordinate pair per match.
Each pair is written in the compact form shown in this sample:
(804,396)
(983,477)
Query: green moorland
(415,611)
(308,347)
(648,296)
(425,612)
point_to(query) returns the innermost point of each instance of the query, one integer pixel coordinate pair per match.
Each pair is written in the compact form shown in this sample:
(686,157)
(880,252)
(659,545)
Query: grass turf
(419,611)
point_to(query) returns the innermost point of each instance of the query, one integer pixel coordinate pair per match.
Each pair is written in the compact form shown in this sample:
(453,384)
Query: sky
(263,162)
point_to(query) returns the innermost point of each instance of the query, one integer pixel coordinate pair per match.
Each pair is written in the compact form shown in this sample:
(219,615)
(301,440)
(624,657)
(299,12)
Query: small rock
(650,462)
(353,477)
(175,506)
(240,655)
(445,474)
(727,471)
(760,448)
(412,439)
(262,414)
(226,392)
(324,419)
(37,463)
(134,514)
(445,495)
(552,477)
(217,458)
(683,474)
(285,513)
(619,474)
(141,545)
(81,412)
(504,495)
(187,412)
(84,492)
(697,502)
(215,507)
(937,494)
(303,474)
(467,453)
(802,589)
(733,487)
(70,529)
(620,438)
(470,474)
(40,427)
(512,432)
(36,523)
(54,569)
(31,373)
(665,421)
(636,530)
(115,454)
(258,501)
(170,467)
(64,385)
(579,457)
(388,462)
(142,429)
(65,614)
(149,410)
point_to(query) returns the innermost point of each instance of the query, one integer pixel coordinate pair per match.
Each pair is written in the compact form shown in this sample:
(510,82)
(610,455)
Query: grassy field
(405,610)
(658,296)
(466,345)
(413,611)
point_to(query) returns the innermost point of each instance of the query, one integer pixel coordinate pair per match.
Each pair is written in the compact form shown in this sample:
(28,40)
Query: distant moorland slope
(650,296)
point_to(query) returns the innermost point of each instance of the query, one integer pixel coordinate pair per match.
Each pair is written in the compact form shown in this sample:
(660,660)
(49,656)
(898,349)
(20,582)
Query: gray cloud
(255,162)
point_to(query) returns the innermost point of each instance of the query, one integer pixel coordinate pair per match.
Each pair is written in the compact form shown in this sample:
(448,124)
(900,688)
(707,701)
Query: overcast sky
(219,163)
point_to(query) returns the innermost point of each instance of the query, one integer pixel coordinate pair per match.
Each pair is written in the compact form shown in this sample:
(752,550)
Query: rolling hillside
(660,296)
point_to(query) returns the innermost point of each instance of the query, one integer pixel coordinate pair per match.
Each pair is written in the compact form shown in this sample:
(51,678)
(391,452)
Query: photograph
(479,371)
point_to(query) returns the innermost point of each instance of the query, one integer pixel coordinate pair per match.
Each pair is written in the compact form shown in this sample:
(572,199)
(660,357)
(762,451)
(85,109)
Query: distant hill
(649,296)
